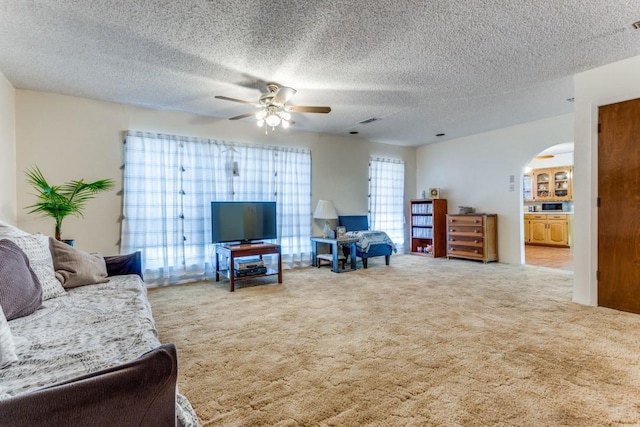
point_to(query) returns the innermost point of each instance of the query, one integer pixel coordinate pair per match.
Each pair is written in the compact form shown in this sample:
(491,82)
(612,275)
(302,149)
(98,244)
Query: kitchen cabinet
(547,229)
(553,184)
(473,236)
(542,182)
(428,227)
(562,183)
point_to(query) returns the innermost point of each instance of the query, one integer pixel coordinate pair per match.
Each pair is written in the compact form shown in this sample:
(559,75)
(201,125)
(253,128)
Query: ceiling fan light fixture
(274,110)
(272,120)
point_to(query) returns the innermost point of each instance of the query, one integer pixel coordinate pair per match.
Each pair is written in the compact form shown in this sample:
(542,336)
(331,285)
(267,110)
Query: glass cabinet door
(561,183)
(542,185)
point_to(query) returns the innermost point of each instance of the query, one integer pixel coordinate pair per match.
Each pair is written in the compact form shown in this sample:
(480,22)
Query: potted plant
(58,201)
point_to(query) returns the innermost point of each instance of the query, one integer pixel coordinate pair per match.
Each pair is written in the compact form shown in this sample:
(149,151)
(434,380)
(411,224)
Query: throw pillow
(7,347)
(36,247)
(8,230)
(74,267)
(20,289)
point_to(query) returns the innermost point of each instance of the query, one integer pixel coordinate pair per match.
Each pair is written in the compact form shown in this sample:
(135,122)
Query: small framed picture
(342,231)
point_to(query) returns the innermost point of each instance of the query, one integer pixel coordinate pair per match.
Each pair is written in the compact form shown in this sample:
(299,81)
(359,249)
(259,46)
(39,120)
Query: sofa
(370,243)
(78,344)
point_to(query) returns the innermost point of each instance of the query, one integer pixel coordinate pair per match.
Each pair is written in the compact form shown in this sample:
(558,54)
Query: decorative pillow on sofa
(36,247)
(20,289)
(74,267)
(8,230)
(7,347)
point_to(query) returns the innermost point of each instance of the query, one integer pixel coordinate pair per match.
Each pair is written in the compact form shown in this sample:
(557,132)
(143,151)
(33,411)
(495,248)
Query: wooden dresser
(473,236)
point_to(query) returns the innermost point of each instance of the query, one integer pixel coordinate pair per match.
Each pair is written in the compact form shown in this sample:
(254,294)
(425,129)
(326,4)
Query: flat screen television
(243,222)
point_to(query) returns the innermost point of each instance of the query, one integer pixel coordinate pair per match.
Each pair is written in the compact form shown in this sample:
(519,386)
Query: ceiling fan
(273,106)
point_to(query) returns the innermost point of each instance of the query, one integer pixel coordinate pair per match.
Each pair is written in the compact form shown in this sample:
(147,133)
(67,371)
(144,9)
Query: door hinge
(599,127)
(598,202)
(597,275)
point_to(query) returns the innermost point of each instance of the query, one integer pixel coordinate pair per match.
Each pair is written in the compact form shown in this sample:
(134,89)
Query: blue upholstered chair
(361,223)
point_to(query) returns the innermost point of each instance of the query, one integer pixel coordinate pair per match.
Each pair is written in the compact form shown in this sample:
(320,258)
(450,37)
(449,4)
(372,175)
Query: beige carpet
(424,342)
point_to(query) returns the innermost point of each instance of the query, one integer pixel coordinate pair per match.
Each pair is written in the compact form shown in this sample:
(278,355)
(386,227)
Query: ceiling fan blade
(307,109)
(226,98)
(242,116)
(283,95)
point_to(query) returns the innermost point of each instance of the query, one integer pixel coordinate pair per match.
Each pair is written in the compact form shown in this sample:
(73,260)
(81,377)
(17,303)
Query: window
(386,198)
(170,181)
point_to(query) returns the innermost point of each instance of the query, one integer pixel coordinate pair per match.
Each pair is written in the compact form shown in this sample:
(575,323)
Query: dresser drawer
(459,230)
(466,251)
(465,220)
(462,240)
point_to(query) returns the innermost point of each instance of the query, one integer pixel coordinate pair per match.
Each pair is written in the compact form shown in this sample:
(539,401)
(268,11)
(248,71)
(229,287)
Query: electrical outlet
(512,187)
(512,179)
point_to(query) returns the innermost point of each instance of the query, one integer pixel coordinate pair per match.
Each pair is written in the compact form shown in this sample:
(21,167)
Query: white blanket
(369,237)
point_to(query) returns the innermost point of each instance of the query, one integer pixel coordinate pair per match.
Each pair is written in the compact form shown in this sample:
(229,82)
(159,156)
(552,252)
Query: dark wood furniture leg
(232,275)
(279,264)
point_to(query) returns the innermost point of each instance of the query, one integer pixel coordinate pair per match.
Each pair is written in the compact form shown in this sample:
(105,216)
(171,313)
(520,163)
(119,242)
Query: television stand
(231,252)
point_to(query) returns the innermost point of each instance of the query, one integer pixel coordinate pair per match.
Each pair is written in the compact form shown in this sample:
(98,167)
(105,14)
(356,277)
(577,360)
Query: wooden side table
(335,255)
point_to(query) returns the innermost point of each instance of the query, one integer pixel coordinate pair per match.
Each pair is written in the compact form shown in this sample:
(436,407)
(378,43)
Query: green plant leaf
(67,199)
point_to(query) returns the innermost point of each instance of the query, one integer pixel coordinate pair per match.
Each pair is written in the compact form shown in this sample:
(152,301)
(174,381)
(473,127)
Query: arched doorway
(548,208)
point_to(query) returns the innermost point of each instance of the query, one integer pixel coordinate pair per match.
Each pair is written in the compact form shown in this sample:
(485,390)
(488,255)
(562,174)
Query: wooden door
(619,201)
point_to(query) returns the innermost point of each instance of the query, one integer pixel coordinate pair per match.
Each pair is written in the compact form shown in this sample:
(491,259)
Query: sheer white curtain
(170,181)
(386,198)
(293,193)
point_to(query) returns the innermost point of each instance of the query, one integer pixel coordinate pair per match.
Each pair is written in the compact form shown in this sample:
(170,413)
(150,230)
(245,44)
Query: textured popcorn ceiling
(423,67)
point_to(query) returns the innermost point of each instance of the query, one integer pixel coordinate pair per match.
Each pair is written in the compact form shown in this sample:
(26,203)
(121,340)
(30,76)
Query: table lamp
(325,210)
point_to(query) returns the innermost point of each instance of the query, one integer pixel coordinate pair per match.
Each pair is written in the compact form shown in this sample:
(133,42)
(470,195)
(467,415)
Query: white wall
(562,159)
(73,138)
(475,171)
(8,150)
(609,84)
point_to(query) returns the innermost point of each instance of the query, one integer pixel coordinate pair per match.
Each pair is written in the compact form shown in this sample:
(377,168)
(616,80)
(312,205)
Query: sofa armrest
(124,264)
(138,393)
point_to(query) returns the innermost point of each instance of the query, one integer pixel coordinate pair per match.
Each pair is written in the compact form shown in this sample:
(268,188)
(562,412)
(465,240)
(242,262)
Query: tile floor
(545,256)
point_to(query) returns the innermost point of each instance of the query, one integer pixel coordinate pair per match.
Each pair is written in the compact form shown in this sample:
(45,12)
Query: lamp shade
(325,210)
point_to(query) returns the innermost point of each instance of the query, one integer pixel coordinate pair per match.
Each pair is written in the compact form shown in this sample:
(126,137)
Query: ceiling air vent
(369,120)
